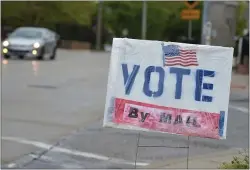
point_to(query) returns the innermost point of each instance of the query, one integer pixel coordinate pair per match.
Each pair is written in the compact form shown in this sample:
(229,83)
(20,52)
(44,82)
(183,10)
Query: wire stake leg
(188,152)
(137,148)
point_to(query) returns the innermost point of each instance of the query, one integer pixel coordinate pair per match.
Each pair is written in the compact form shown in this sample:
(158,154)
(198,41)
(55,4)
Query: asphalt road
(52,118)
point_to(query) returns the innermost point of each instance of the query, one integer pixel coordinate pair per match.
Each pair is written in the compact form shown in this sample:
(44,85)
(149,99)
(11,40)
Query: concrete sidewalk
(239,87)
(239,81)
(208,161)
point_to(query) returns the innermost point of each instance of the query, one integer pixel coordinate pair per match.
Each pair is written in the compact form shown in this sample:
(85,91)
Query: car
(33,42)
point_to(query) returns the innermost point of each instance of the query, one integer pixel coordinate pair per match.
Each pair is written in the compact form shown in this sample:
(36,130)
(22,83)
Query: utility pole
(208,33)
(204,21)
(144,19)
(99,26)
(189,30)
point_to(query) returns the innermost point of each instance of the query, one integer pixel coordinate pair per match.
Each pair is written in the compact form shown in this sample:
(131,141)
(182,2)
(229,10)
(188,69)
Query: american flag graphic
(175,55)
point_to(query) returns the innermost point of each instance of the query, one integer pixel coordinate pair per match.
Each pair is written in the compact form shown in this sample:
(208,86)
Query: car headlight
(36,45)
(6,43)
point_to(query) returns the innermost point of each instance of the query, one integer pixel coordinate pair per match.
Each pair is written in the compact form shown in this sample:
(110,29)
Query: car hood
(23,41)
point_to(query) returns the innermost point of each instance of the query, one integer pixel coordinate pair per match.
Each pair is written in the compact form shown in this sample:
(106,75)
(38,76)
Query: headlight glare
(34,52)
(36,45)
(5,43)
(5,50)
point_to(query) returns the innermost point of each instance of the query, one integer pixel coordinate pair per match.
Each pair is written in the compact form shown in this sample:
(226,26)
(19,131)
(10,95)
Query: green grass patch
(238,162)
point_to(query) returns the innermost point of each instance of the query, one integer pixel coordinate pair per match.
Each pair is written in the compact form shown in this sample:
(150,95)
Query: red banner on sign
(166,119)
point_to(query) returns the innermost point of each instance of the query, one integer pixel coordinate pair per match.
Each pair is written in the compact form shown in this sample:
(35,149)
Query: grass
(238,162)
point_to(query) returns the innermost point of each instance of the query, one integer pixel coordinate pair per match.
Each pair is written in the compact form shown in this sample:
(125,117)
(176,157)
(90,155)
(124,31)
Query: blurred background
(52,111)
(77,22)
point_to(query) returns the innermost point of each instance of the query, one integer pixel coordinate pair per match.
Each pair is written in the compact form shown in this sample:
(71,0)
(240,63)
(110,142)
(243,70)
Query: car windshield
(26,33)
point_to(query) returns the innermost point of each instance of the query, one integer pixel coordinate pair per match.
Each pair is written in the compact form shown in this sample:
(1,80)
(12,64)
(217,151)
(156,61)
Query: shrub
(238,162)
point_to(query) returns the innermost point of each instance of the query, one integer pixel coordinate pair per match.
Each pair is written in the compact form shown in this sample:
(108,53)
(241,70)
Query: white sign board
(169,87)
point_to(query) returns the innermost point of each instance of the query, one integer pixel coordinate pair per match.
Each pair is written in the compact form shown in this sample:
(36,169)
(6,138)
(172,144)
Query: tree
(241,22)
(163,19)
(79,11)
(41,13)
(177,28)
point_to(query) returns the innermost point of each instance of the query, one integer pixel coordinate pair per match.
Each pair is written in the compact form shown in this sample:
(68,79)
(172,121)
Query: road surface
(52,115)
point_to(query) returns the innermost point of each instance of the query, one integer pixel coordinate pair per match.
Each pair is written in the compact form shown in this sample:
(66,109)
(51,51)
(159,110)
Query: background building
(222,15)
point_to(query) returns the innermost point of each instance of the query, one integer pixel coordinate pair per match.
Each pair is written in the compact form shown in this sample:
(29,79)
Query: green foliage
(241,22)
(240,162)
(177,28)
(125,14)
(120,15)
(41,12)
(158,18)
(163,19)
(80,11)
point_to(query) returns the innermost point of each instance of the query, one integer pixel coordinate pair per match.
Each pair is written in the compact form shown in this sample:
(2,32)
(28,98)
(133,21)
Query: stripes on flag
(173,55)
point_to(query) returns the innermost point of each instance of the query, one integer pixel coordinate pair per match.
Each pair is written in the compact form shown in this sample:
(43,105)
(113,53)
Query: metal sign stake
(146,146)
(189,29)
(137,148)
(188,152)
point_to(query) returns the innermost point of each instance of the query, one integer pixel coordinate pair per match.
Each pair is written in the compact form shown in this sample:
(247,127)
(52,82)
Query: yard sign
(169,87)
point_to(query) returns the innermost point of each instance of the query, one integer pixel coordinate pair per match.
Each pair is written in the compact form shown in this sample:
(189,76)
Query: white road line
(71,152)
(241,109)
(62,164)
(11,165)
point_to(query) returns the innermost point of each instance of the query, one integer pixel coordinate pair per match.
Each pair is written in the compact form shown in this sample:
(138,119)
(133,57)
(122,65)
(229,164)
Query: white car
(31,42)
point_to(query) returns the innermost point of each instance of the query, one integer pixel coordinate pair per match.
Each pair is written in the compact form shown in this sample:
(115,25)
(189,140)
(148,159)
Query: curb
(25,159)
(19,163)
(83,50)
(234,86)
(100,51)
(162,164)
